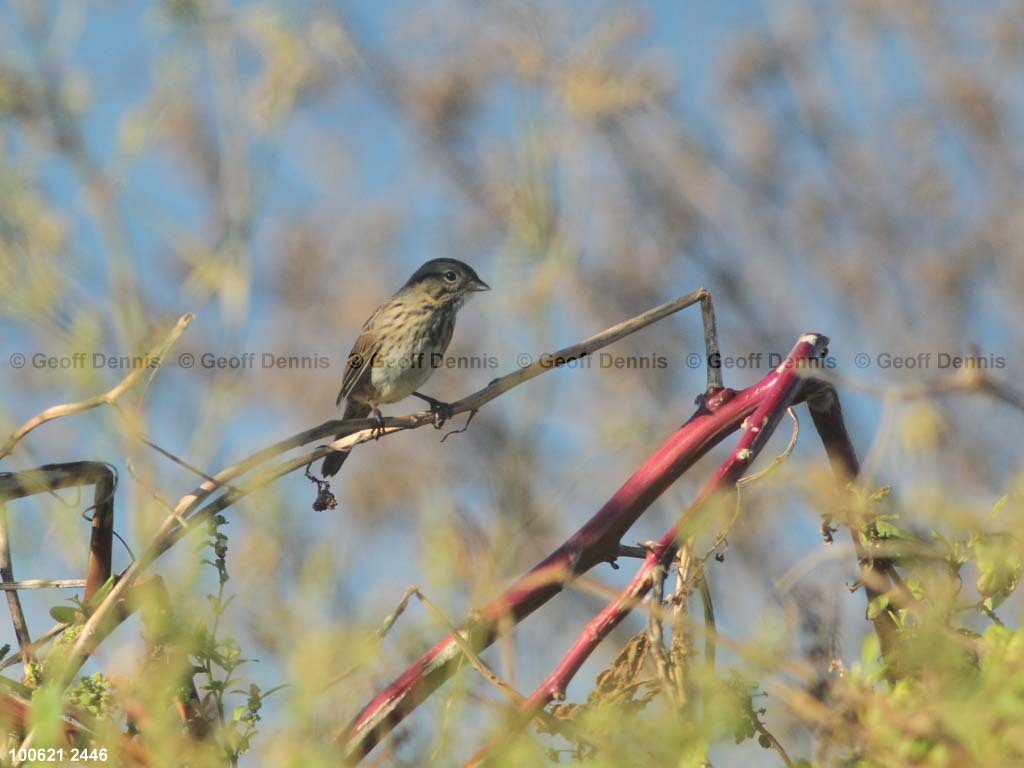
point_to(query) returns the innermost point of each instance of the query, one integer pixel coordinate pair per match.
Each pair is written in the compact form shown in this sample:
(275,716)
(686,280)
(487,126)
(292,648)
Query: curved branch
(185,518)
(107,398)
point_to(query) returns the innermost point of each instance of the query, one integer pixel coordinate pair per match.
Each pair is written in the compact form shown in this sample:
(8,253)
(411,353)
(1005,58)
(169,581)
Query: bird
(403,343)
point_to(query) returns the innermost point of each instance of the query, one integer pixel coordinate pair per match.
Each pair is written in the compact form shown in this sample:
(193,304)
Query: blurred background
(279,169)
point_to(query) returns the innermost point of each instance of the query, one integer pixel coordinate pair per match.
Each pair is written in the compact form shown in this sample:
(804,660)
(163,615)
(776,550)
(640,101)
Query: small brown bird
(404,342)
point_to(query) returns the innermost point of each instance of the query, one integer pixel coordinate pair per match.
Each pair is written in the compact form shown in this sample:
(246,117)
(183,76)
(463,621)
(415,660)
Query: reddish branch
(757,429)
(719,413)
(878,576)
(53,477)
(147,591)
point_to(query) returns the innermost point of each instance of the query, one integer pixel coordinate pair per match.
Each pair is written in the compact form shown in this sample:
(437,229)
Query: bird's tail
(333,461)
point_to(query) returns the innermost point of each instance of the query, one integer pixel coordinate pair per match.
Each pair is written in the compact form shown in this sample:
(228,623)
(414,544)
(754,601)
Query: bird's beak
(478,285)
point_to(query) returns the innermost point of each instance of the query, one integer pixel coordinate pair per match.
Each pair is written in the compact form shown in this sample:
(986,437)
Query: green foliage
(1000,561)
(220,657)
(93,694)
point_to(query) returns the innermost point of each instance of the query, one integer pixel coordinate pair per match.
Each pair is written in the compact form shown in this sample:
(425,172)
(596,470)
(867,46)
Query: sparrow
(403,343)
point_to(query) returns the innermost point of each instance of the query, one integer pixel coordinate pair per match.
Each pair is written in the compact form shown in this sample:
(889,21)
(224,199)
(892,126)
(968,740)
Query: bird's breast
(413,339)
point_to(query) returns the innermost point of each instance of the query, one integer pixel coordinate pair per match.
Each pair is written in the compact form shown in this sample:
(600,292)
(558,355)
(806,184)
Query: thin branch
(656,635)
(36,644)
(800,671)
(962,381)
(13,601)
(711,348)
(769,737)
(776,460)
(679,652)
(378,636)
(710,628)
(107,398)
(627,550)
(474,659)
(573,352)
(101,540)
(43,584)
(723,534)
(355,431)
(176,459)
(51,477)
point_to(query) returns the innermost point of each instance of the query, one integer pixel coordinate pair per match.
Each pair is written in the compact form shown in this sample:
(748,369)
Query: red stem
(877,575)
(758,428)
(719,413)
(102,539)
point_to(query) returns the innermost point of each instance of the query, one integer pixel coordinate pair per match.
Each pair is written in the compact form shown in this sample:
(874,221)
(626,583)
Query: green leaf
(101,593)
(998,507)
(65,614)
(880,494)
(886,530)
(999,566)
(877,605)
(870,653)
(45,716)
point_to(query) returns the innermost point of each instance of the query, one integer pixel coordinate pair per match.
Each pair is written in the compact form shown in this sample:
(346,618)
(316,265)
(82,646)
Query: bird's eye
(450,276)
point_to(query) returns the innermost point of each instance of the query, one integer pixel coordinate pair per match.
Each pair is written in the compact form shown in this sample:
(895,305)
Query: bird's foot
(442,411)
(378,424)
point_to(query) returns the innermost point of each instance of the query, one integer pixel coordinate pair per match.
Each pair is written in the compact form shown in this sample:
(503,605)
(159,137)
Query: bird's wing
(359,363)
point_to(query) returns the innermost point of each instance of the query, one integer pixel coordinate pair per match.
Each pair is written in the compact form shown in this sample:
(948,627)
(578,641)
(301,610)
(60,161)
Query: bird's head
(446,279)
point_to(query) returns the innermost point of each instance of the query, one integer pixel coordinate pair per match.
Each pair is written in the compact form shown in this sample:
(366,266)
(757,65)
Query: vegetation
(201,202)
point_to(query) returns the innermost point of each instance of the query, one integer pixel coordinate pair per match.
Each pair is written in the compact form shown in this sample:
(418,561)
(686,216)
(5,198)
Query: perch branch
(355,431)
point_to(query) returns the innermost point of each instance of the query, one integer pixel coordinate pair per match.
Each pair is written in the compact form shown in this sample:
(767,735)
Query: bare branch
(13,601)
(43,584)
(107,398)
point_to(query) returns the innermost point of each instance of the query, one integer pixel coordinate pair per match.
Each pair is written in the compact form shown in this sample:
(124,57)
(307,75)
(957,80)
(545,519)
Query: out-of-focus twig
(107,398)
(961,381)
(13,601)
(379,634)
(43,584)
